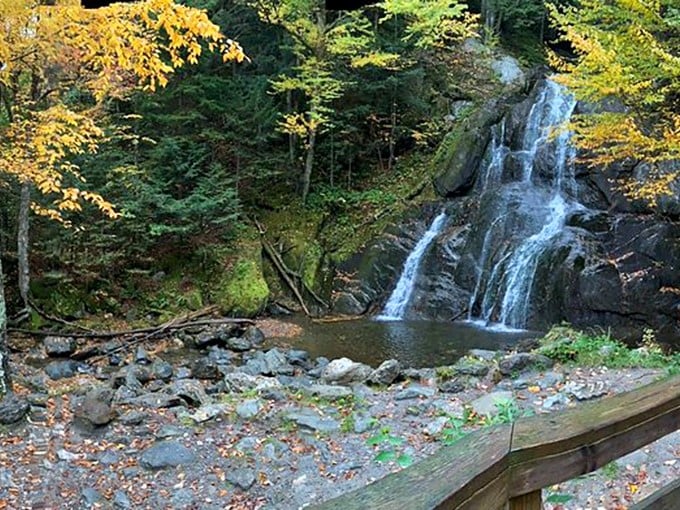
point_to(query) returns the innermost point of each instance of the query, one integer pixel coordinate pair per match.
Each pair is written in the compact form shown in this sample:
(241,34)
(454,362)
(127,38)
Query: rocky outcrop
(615,263)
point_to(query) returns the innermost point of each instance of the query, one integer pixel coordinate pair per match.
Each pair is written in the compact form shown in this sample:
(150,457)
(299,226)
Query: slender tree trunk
(291,137)
(22,242)
(309,164)
(5,382)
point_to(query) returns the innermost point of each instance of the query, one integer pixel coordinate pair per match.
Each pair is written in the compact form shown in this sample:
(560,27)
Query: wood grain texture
(666,498)
(470,474)
(553,448)
(531,501)
(511,464)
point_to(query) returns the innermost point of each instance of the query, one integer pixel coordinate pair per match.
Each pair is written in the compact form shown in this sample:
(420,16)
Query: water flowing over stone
(398,301)
(527,213)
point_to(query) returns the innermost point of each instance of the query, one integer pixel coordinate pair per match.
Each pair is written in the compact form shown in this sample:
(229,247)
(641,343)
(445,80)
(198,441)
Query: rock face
(612,263)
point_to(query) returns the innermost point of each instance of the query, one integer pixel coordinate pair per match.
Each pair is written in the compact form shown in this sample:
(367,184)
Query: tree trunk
(22,242)
(309,164)
(5,382)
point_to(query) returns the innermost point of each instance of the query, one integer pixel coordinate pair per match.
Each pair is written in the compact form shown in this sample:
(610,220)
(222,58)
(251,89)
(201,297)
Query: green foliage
(568,345)
(558,498)
(389,448)
(610,470)
(628,50)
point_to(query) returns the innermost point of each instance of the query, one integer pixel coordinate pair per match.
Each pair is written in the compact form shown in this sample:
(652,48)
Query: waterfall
(398,301)
(505,279)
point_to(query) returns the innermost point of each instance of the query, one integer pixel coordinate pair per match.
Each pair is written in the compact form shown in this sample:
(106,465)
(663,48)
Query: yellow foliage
(628,52)
(48,51)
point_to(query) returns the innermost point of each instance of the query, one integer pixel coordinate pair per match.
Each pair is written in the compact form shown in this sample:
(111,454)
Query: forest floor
(233,426)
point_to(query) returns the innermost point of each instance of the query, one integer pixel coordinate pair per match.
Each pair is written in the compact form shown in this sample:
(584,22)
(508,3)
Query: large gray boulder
(345,371)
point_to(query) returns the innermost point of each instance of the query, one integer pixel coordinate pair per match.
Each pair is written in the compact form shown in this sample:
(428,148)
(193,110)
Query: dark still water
(414,343)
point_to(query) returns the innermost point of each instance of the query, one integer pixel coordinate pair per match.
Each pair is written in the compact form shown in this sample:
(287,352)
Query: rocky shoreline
(211,419)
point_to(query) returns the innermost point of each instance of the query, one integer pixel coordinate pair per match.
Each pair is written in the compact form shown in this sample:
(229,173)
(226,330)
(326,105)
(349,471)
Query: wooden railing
(510,464)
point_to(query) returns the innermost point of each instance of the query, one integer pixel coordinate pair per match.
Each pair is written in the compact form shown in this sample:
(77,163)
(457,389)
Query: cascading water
(398,301)
(529,212)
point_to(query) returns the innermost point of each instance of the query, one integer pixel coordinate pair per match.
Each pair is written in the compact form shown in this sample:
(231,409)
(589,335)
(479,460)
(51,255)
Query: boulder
(95,408)
(345,371)
(12,409)
(386,373)
(515,363)
(509,72)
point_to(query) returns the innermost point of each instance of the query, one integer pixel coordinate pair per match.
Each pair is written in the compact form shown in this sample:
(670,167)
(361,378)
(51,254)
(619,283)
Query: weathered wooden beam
(553,448)
(666,498)
(531,501)
(471,474)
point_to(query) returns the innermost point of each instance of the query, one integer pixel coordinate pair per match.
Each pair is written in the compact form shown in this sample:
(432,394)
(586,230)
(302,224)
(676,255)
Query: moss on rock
(242,289)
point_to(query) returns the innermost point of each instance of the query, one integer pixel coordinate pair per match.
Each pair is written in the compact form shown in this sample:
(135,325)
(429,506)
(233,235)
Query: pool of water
(414,343)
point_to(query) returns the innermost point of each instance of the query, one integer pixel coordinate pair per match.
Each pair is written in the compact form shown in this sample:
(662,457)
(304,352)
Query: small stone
(471,366)
(240,382)
(364,422)
(121,500)
(550,380)
(452,386)
(59,345)
(133,418)
(219,355)
(183,498)
(247,444)
(243,478)
(141,356)
(166,454)
(298,357)
(239,344)
(276,363)
(559,399)
(167,431)
(208,412)
(328,391)
(124,395)
(515,363)
(90,496)
(487,405)
(248,409)
(386,373)
(483,354)
(66,368)
(95,408)
(520,384)
(12,409)
(205,368)
(435,427)
(162,370)
(312,421)
(182,373)
(586,391)
(158,400)
(254,335)
(108,458)
(67,456)
(415,391)
(189,390)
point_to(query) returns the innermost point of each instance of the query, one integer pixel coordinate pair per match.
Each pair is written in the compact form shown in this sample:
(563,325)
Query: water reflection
(413,343)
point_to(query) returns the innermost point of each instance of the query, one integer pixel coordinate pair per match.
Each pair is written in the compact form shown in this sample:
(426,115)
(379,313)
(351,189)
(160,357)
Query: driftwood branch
(182,322)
